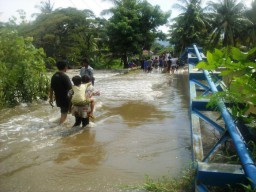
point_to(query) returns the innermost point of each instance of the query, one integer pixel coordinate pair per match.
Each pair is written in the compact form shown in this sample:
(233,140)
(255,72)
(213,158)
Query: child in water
(82,101)
(80,104)
(89,93)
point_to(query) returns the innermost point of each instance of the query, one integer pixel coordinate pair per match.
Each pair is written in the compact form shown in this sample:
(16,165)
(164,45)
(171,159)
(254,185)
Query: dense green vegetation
(238,70)
(219,24)
(73,34)
(132,28)
(22,70)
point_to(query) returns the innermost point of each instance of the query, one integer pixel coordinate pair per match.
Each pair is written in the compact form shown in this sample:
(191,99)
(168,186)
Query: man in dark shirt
(60,85)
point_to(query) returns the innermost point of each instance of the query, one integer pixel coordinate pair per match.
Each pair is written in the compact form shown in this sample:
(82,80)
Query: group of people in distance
(77,98)
(165,63)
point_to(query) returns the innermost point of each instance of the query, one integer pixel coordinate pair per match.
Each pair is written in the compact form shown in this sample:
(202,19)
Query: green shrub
(185,182)
(238,70)
(22,70)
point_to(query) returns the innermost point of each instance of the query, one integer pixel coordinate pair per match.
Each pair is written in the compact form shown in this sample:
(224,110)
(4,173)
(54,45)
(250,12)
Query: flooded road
(141,128)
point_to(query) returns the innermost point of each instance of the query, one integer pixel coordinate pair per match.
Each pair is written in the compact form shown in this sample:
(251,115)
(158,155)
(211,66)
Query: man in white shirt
(87,70)
(174,64)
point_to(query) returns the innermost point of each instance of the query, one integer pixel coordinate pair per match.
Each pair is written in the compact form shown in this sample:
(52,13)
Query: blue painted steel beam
(224,137)
(206,88)
(199,75)
(200,84)
(201,188)
(201,105)
(197,152)
(244,156)
(208,120)
(217,174)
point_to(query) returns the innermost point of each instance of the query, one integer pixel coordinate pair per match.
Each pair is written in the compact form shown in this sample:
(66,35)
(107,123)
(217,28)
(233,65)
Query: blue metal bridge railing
(214,173)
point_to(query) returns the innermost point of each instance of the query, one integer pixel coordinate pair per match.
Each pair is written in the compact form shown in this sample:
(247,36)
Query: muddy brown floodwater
(141,129)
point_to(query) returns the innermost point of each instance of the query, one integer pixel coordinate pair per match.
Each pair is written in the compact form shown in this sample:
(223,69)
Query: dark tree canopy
(133,27)
(65,33)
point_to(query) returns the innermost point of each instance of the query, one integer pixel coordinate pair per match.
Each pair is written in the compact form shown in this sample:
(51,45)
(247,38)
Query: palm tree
(45,7)
(191,26)
(251,30)
(228,21)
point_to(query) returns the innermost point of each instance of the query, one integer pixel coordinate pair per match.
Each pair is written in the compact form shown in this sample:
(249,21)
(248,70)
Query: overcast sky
(8,8)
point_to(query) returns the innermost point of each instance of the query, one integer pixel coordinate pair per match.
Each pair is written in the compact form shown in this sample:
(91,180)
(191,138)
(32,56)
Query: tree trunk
(124,58)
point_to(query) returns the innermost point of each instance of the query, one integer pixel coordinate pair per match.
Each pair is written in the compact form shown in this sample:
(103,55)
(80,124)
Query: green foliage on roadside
(239,71)
(185,182)
(22,70)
